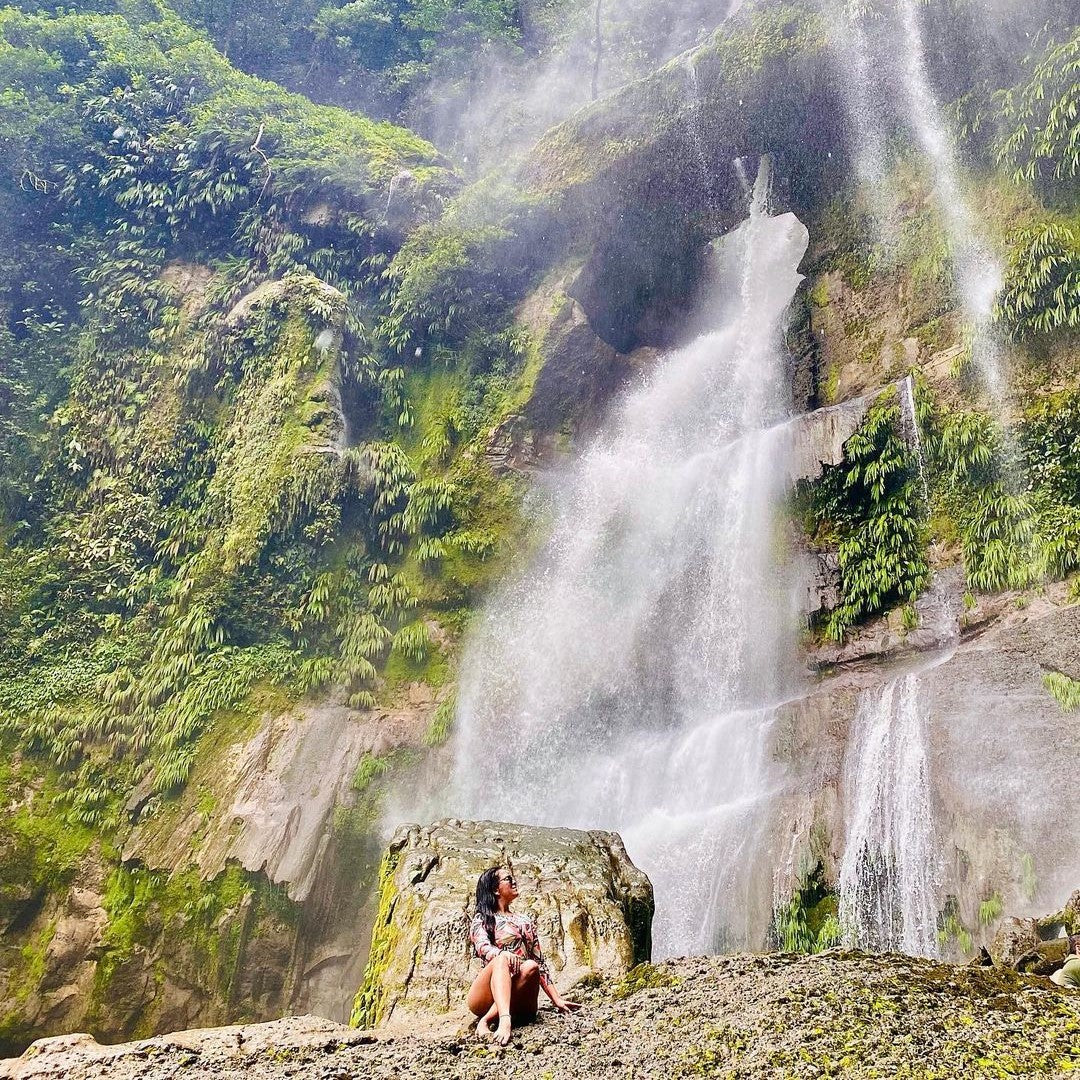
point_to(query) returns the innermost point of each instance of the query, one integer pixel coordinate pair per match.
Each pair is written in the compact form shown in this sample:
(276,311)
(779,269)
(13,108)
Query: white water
(890,869)
(978,272)
(624,680)
(861,79)
(892,63)
(697,139)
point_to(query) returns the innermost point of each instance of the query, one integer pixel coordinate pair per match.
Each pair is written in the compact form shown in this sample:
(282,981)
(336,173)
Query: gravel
(835,1014)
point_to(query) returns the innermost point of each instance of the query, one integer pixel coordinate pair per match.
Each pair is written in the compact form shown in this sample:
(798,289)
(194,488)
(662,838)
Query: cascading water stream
(625,680)
(697,139)
(909,420)
(894,61)
(890,868)
(977,271)
(859,76)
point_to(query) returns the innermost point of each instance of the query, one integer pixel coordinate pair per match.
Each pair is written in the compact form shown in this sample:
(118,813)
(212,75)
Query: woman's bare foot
(483,1032)
(502,1036)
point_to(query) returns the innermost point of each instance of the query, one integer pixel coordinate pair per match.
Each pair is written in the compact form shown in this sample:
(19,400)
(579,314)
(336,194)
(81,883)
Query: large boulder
(1037,946)
(593,910)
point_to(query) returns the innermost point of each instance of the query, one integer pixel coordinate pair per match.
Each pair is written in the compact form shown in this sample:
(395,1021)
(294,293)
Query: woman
(1069,973)
(514,968)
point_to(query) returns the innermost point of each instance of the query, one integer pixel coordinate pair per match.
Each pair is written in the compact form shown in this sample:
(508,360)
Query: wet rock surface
(1037,945)
(848,1014)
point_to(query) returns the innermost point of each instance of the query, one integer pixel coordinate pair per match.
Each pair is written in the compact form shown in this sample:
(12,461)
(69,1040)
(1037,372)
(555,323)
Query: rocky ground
(836,1014)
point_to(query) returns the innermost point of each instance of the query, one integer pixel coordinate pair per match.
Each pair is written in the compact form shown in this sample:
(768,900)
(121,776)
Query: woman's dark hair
(487,903)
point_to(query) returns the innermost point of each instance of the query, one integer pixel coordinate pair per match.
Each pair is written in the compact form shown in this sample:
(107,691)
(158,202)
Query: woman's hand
(514,960)
(566,1007)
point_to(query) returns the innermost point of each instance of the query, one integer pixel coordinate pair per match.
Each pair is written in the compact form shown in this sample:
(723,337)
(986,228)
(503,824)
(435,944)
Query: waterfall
(909,421)
(900,58)
(625,679)
(697,138)
(860,79)
(889,870)
(978,272)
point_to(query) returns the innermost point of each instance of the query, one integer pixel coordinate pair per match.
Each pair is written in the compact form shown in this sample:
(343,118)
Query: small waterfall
(626,678)
(697,139)
(889,872)
(909,425)
(859,76)
(884,74)
(978,272)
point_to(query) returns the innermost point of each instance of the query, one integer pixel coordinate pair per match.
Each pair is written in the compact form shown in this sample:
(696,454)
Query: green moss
(432,668)
(831,387)
(33,962)
(196,929)
(643,977)
(45,845)
(205,802)
(370,999)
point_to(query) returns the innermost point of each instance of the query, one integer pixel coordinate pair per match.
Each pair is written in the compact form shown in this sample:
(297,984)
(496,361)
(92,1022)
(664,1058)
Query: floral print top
(513,933)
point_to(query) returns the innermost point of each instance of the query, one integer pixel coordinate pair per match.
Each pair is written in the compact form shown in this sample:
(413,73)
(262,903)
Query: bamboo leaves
(1041,292)
(1042,141)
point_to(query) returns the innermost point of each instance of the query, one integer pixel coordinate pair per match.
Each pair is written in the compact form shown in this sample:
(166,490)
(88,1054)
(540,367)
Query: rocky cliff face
(592,907)
(992,726)
(249,897)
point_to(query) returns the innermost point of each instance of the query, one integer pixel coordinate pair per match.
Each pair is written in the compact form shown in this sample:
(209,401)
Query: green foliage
(370,767)
(1015,502)
(445,280)
(442,722)
(1041,138)
(952,931)
(808,921)
(990,909)
(408,42)
(197,528)
(1041,291)
(872,504)
(1064,690)
(45,841)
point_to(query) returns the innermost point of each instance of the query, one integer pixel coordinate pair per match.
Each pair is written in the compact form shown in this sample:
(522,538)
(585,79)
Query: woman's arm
(485,948)
(532,944)
(560,1003)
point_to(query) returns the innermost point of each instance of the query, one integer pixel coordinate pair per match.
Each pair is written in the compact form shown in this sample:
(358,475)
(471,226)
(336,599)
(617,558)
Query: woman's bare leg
(489,996)
(521,1005)
(525,991)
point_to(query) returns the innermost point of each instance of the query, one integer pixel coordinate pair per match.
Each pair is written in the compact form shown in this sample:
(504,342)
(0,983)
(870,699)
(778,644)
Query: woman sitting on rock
(514,968)
(1069,973)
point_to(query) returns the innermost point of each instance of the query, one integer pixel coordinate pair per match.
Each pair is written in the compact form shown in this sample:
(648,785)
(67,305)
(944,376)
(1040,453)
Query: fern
(1041,291)
(1041,137)
(872,502)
